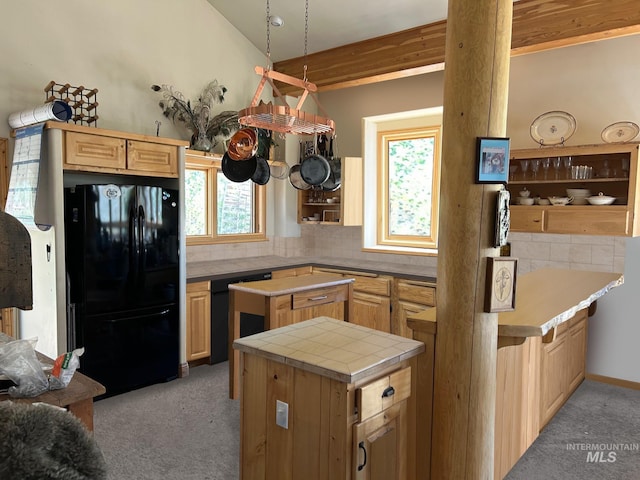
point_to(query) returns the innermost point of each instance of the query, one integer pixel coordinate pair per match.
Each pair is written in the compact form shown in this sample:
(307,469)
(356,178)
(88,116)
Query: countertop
(287,285)
(545,298)
(332,348)
(221,269)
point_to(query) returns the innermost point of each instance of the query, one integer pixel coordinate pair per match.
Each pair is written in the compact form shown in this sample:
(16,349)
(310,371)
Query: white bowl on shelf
(558,201)
(601,200)
(525,201)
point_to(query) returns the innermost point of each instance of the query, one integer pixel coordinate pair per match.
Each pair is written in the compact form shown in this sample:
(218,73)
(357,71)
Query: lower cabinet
(198,320)
(380,436)
(413,296)
(562,365)
(371,298)
(534,379)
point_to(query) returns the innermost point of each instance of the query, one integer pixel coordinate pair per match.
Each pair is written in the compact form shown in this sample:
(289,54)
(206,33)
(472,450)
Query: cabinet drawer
(417,292)
(381,394)
(152,158)
(320,296)
(96,151)
(373,285)
(593,220)
(526,219)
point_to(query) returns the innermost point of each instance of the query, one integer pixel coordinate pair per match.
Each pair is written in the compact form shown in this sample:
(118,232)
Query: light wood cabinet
(198,320)
(380,436)
(412,296)
(562,365)
(102,153)
(614,172)
(371,298)
(347,208)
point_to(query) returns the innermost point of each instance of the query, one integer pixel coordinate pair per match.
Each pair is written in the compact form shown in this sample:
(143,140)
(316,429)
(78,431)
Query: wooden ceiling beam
(537,25)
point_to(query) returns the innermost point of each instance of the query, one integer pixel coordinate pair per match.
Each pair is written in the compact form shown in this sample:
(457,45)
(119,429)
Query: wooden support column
(475,105)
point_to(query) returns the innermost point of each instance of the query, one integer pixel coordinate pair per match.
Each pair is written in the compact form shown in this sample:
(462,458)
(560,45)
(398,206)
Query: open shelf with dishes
(573,175)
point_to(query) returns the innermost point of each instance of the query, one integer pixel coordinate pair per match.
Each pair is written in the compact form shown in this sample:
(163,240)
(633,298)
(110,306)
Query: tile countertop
(332,348)
(284,286)
(545,298)
(220,269)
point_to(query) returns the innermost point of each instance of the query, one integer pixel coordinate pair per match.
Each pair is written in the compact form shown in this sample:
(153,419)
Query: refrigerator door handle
(141,227)
(140,317)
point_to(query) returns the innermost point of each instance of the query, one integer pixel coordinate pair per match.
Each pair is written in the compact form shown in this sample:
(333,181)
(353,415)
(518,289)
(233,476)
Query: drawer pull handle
(388,392)
(319,297)
(361,445)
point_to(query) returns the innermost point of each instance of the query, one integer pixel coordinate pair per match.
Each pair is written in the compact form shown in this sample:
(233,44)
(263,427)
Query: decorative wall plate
(553,128)
(620,132)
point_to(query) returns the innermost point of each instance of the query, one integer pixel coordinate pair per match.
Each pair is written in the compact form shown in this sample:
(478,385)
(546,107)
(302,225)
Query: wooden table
(284,301)
(77,397)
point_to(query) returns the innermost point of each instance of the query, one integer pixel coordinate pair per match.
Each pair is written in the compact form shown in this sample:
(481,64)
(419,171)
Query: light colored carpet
(189,429)
(186,429)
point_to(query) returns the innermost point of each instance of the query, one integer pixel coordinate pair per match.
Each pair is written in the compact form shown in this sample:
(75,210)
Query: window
(402,174)
(218,210)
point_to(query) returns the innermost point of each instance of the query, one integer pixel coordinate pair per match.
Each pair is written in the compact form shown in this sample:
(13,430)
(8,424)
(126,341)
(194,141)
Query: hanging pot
(262,174)
(315,170)
(296,179)
(238,171)
(243,145)
(279,170)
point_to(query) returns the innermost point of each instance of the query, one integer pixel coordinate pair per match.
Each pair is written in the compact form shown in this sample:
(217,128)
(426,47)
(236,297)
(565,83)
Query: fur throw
(41,442)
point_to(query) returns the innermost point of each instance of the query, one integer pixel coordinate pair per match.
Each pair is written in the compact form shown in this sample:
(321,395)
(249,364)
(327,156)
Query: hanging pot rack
(283,118)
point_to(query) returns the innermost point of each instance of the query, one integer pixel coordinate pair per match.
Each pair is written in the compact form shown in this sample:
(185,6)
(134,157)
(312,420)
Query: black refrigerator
(122,283)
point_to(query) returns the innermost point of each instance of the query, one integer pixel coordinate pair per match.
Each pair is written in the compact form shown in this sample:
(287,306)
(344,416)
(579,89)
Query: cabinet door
(152,159)
(405,309)
(576,351)
(552,378)
(198,320)
(379,446)
(373,311)
(94,153)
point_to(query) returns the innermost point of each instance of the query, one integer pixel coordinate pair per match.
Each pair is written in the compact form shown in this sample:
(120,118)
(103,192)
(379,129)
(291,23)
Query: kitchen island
(329,399)
(285,301)
(540,361)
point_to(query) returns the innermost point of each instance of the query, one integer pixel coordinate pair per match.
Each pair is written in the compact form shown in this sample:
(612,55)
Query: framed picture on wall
(493,160)
(500,286)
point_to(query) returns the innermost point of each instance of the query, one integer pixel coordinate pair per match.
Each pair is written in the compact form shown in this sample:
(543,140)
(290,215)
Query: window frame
(383,204)
(406,120)
(211,164)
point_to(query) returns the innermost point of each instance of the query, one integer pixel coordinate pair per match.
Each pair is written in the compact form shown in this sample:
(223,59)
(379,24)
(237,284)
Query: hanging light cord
(306,34)
(268,37)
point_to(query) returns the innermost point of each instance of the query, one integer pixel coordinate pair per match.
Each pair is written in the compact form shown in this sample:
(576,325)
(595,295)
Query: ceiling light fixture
(276,20)
(283,118)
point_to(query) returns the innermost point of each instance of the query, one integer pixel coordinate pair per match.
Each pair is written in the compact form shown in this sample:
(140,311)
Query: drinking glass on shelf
(535,165)
(512,171)
(524,164)
(546,163)
(556,166)
(625,167)
(567,161)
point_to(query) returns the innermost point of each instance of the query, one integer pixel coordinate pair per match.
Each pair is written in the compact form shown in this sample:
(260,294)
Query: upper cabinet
(105,151)
(610,169)
(339,207)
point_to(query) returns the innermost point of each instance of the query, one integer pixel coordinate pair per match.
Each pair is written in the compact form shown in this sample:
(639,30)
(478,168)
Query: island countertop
(331,348)
(545,298)
(287,285)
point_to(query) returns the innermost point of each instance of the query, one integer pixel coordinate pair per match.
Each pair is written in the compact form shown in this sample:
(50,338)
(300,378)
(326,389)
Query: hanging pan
(238,171)
(263,173)
(295,178)
(243,145)
(315,170)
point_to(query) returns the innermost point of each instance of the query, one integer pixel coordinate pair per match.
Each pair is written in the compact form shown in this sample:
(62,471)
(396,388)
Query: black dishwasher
(249,324)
